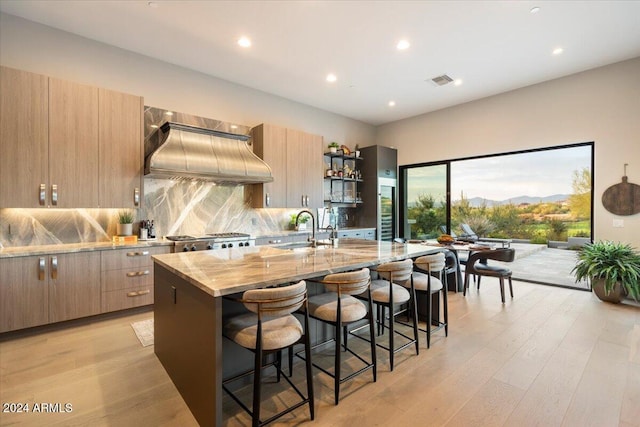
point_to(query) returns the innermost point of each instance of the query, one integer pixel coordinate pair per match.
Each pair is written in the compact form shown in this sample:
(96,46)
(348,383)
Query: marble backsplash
(177,207)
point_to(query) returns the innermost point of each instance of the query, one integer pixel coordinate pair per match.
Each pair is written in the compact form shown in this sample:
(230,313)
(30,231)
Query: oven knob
(210,245)
(240,244)
(224,245)
(193,247)
(230,245)
(185,249)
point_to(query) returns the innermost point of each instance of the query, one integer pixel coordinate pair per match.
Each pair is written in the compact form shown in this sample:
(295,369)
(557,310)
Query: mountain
(479,201)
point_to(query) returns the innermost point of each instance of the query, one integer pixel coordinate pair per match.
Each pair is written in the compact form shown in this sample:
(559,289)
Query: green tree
(580,200)
(428,216)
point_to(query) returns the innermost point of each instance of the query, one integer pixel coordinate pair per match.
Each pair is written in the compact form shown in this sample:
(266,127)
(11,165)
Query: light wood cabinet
(295,158)
(68,145)
(121,149)
(73,144)
(24,297)
(74,286)
(37,290)
(24,138)
(127,277)
(305,166)
(270,144)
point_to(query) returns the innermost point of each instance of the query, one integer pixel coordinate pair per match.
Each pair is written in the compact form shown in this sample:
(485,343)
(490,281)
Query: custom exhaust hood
(195,148)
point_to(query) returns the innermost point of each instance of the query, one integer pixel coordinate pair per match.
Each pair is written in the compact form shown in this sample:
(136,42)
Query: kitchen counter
(188,310)
(22,251)
(228,271)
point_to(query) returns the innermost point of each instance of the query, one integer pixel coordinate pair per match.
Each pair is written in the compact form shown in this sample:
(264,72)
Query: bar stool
(337,307)
(394,288)
(425,282)
(269,328)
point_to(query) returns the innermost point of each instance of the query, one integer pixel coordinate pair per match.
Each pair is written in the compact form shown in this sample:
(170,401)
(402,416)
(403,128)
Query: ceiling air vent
(441,80)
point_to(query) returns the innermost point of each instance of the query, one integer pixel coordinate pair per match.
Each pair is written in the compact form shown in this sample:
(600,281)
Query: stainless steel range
(211,241)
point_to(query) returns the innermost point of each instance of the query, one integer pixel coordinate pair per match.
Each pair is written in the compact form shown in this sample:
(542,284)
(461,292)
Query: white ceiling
(493,46)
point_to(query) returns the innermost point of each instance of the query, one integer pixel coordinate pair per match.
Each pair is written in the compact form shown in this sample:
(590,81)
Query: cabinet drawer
(127,278)
(127,298)
(131,258)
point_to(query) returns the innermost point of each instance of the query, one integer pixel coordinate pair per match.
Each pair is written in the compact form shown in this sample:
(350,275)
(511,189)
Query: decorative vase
(357,153)
(333,149)
(616,295)
(301,226)
(124,229)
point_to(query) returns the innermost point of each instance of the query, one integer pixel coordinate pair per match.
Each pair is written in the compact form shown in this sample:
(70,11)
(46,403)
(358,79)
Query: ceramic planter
(616,295)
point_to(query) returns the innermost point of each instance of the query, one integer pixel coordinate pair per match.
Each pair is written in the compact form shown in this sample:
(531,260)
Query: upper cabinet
(73,145)
(295,159)
(120,150)
(69,145)
(24,138)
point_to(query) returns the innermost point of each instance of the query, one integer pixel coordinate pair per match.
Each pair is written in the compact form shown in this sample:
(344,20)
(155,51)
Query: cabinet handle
(142,253)
(267,200)
(138,273)
(136,196)
(302,200)
(43,194)
(41,266)
(138,293)
(54,267)
(54,194)
(306,198)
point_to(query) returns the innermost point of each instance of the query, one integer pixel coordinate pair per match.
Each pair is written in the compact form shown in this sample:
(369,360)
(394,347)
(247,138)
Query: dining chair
(476,267)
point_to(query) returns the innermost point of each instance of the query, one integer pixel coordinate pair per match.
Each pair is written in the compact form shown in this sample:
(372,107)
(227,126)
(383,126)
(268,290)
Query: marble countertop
(227,271)
(21,251)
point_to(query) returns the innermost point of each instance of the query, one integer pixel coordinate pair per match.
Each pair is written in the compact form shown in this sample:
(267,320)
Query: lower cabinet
(127,277)
(37,290)
(360,233)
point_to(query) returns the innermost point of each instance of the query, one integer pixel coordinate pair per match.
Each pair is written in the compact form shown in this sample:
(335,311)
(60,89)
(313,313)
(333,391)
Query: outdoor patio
(540,264)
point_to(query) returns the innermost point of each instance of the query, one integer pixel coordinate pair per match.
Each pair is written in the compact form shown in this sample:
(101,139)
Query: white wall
(600,105)
(37,48)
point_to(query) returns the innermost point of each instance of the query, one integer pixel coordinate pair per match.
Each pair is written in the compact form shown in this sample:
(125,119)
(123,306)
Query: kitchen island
(188,308)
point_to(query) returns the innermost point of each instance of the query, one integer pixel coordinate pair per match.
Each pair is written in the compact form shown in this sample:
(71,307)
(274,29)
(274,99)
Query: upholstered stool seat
(277,333)
(339,308)
(325,307)
(425,282)
(270,326)
(381,292)
(389,291)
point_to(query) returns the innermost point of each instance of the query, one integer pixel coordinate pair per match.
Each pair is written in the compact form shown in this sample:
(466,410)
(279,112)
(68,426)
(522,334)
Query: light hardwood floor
(549,357)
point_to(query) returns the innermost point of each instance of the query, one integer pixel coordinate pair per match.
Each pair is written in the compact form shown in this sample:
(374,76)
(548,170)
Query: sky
(536,174)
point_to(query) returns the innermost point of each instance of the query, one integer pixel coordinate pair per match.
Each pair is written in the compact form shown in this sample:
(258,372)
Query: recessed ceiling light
(233,127)
(558,51)
(153,4)
(534,10)
(244,42)
(168,113)
(403,45)
(331,77)
(392,103)
(457,82)
(154,126)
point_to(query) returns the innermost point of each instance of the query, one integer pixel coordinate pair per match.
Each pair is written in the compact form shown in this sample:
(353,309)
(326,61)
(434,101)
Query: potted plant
(613,269)
(357,151)
(125,223)
(302,222)
(333,147)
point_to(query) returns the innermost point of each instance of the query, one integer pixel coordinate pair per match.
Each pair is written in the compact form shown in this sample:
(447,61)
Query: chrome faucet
(313,225)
